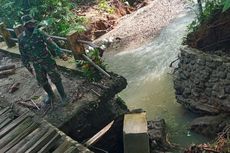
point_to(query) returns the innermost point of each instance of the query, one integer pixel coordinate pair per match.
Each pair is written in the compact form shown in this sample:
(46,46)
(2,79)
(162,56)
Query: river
(150,79)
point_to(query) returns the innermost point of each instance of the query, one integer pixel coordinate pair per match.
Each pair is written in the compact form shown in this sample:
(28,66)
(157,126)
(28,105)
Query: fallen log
(7,67)
(6,73)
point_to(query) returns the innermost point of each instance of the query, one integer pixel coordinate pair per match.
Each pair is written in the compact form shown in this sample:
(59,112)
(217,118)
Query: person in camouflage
(38,48)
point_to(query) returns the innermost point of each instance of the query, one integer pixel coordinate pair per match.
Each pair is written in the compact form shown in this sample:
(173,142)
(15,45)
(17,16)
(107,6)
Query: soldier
(38,48)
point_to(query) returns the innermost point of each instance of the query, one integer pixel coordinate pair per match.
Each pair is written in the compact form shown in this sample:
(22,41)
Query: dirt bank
(140,27)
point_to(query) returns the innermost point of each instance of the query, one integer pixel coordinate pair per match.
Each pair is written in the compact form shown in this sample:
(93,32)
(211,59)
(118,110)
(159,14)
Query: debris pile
(222,144)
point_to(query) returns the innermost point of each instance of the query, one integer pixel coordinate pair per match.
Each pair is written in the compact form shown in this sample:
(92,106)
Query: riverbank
(142,26)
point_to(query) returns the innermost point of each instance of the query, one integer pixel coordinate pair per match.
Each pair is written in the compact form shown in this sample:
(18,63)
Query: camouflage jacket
(37,48)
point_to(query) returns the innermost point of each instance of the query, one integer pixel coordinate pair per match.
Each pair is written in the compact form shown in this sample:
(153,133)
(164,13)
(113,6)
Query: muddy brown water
(150,83)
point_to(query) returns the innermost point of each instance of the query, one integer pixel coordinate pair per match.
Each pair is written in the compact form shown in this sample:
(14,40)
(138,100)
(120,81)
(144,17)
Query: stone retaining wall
(202,82)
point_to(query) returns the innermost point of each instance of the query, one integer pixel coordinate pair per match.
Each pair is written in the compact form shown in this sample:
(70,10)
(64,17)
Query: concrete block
(135,134)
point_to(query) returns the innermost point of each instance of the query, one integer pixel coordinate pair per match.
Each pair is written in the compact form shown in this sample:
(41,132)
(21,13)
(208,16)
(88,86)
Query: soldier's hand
(64,57)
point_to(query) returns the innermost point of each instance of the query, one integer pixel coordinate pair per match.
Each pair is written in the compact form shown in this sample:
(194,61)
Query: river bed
(150,79)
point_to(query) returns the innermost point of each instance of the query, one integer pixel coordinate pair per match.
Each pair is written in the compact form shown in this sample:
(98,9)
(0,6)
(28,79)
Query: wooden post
(18,30)
(6,35)
(76,47)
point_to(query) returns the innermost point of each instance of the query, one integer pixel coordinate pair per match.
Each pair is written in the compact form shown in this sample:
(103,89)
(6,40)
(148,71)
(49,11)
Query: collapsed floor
(92,106)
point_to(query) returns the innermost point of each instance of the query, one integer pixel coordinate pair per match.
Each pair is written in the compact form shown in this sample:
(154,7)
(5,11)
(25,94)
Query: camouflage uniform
(38,48)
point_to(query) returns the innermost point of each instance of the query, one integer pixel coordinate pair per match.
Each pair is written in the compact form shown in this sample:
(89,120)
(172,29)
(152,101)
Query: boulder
(210,126)
(157,136)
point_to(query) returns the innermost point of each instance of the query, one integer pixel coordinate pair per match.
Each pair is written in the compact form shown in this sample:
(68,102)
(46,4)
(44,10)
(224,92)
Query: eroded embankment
(92,104)
(202,85)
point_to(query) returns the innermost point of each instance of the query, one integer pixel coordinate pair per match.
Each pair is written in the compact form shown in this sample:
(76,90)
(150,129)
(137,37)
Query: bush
(55,15)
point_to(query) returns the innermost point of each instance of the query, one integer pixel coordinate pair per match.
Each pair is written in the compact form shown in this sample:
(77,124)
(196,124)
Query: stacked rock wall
(202,81)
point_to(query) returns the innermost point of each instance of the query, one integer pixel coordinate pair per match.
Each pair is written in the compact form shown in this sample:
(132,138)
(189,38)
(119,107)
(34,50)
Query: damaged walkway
(26,133)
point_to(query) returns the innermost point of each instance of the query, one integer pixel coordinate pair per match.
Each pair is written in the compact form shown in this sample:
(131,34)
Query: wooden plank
(5,123)
(72,149)
(3,118)
(15,132)
(7,67)
(5,115)
(50,144)
(63,147)
(6,73)
(17,139)
(97,136)
(4,110)
(24,142)
(16,122)
(42,141)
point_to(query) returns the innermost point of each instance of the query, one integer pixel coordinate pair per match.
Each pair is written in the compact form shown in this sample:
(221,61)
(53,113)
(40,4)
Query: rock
(187,92)
(210,125)
(208,91)
(196,92)
(157,136)
(228,76)
(222,74)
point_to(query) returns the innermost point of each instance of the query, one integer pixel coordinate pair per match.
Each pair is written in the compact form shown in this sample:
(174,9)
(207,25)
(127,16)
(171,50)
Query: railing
(76,45)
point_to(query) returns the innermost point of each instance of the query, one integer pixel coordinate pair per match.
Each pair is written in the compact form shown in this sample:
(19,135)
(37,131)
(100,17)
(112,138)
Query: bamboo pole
(6,73)
(15,123)
(7,67)
(15,132)
(27,142)
(42,141)
(21,136)
(96,66)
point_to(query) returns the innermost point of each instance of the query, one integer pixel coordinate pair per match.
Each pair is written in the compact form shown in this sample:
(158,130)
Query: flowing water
(150,84)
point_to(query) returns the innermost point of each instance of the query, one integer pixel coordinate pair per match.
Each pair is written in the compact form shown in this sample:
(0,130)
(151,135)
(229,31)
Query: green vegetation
(104,6)
(88,70)
(55,15)
(210,8)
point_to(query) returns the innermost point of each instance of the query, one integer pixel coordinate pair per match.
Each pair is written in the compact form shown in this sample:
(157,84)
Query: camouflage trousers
(43,70)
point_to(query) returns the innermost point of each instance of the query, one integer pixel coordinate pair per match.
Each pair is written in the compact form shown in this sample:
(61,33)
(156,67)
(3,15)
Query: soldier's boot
(61,91)
(50,94)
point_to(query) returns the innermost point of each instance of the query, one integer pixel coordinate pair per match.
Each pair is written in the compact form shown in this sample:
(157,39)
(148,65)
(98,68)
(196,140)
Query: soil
(128,27)
(213,35)
(29,88)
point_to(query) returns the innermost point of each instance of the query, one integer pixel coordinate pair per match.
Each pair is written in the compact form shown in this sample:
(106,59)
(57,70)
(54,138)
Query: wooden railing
(76,45)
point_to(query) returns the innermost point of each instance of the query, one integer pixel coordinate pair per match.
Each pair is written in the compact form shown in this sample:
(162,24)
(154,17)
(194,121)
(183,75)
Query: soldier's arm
(51,44)
(24,56)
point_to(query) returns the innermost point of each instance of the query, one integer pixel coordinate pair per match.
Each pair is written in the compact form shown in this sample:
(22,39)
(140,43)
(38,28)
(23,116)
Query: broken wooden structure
(26,133)
(7,70)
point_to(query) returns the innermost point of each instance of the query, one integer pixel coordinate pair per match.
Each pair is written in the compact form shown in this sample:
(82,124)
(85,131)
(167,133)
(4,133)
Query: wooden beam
(4,110)
(97,136)
(63,147)
(42,141)
(50,144)
(15,123)
(15,132)
(7,67)
(28,141)
(21,136)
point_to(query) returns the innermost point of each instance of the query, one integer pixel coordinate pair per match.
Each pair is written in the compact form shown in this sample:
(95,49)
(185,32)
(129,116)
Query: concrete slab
(135,134)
